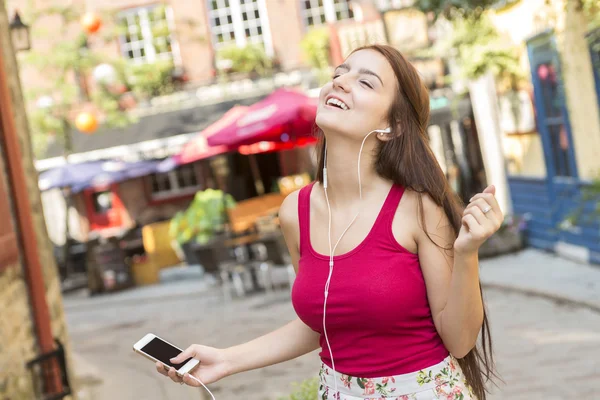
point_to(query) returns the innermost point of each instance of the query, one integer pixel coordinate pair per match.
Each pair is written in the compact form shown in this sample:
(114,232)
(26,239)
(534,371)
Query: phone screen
(163,352)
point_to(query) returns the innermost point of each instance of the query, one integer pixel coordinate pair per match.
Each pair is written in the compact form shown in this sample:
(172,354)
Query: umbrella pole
(67,196)
(258,184)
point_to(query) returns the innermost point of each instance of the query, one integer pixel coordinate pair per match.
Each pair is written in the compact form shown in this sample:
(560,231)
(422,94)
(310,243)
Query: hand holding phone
(161,351)
(213,365)
(205,364)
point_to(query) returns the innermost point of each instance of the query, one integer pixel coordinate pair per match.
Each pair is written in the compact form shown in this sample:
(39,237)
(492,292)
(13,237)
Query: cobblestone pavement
(544,350)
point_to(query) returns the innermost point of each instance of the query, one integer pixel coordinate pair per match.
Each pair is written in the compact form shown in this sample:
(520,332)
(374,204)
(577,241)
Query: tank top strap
(304,216)
(388,211)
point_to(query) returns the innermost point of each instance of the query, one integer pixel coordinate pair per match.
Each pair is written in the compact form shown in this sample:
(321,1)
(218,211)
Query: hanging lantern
(86,122)
(20,35)
(105,74)
(91,22)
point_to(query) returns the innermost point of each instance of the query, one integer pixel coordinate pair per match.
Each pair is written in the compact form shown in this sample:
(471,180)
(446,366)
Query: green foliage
(591,9)
(306,390)
(479,48)
(315,47)
(61,65)
(204,217)
(452,9)
(250,58)
(588,209)
(149,80)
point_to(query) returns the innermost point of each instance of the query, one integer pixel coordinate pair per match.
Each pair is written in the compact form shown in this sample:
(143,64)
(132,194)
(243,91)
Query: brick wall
(17,339)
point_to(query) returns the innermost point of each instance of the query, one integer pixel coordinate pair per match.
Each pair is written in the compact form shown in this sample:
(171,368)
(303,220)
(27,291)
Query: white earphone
(332,250)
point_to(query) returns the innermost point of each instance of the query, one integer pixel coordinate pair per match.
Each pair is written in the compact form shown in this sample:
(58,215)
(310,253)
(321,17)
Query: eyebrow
(361,71)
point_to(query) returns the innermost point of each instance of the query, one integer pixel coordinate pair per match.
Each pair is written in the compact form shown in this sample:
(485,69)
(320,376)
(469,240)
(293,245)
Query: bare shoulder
(408,226)
(405,226)
(290,225)
(288,212)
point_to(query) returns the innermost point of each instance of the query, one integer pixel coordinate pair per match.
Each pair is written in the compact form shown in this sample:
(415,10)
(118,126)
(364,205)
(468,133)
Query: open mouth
(337,103)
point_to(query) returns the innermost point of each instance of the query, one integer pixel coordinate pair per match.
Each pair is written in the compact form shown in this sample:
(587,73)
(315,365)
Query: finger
(476,212)
(160,367)
(173,375)
(485,208)
(474,227)
(490,189)
(490,199)
(187,379)
(184,355)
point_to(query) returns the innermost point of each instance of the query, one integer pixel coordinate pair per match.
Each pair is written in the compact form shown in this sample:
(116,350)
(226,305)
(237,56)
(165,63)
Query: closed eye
(367,83)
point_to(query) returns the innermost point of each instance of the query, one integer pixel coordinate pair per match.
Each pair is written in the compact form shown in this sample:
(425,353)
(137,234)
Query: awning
(284,116)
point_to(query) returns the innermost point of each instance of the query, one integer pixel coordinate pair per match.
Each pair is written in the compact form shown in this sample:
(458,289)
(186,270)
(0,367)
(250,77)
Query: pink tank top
(378,318)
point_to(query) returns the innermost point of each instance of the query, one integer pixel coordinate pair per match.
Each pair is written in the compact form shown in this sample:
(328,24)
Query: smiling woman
(386,258)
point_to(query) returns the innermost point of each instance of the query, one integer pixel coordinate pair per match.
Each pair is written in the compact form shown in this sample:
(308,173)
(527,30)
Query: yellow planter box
(157,244)
(145,273)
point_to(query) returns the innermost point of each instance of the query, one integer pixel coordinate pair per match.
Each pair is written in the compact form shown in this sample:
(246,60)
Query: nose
(341,83)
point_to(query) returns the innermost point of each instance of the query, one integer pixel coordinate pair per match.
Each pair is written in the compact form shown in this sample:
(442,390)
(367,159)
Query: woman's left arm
(452,276)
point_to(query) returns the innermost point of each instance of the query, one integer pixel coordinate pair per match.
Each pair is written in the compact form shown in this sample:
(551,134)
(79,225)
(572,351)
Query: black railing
(50,372)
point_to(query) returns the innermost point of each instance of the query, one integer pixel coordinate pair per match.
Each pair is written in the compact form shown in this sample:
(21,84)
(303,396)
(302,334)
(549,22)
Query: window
(146,34)
(239,22)
(318,12)
(179,182)
(552,100)
(102,201)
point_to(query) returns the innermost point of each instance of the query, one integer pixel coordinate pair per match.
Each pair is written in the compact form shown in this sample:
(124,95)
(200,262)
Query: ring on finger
(486,210)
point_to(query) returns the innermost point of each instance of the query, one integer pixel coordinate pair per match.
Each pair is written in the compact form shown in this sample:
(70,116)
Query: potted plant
(250,60)
(305,390)
(205,217)
(316,48)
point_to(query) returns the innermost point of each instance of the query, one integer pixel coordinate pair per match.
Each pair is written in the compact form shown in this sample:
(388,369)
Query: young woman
(387,269)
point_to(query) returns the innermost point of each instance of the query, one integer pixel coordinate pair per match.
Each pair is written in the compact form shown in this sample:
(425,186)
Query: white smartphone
(158,349)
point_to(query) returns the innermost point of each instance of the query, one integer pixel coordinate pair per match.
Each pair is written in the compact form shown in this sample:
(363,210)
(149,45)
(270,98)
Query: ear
(385,135)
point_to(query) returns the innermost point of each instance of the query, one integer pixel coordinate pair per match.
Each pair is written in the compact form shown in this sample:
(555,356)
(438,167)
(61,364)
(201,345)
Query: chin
(332,123)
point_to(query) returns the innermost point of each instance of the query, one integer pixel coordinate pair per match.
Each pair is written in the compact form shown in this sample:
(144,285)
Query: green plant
(305,390)
(591,10)
(479,48)
(315,47)
(205,216)
(250,58)
(588,207)
(66,64)
(150,80)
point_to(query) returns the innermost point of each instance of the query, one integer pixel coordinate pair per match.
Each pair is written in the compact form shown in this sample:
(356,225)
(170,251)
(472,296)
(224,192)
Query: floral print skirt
(443,381)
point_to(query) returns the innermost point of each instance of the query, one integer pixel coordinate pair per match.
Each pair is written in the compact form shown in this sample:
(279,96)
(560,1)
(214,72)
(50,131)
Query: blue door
(553,125)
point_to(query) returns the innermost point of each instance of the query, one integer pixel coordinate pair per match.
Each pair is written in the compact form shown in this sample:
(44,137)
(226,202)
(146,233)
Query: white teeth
(338,103)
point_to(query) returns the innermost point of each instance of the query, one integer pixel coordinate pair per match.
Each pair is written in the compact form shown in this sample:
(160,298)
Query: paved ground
(545,274)
(544,349)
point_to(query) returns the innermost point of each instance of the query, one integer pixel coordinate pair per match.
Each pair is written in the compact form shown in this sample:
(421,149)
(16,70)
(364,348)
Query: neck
(342,169)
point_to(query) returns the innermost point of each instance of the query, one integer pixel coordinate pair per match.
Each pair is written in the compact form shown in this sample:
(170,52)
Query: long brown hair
(407,160)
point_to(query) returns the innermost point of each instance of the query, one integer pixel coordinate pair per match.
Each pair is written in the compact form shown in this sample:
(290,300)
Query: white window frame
(146,36)
(330,8)
(175,191)
(238,25)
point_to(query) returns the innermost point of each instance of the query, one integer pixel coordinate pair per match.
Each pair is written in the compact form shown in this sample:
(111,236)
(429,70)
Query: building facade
(191,34)
(32,320)
(550,164)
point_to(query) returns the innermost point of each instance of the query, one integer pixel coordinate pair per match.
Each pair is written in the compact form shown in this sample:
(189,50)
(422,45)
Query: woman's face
(358,99)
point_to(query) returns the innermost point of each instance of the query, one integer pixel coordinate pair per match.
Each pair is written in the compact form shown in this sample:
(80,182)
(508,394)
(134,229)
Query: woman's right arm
(286,343)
